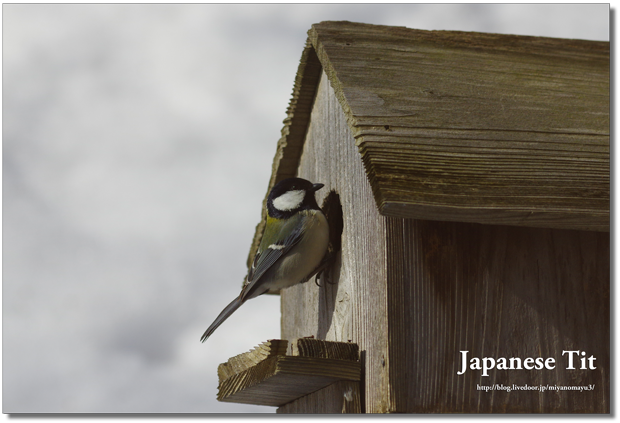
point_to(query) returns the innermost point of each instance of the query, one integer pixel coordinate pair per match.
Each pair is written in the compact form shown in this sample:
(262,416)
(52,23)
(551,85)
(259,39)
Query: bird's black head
(291,195)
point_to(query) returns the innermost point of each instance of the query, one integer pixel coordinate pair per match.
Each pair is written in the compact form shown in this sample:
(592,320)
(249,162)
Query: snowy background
(137,148)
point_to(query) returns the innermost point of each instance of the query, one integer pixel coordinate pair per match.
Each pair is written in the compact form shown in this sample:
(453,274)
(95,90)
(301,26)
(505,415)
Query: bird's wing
(273,246)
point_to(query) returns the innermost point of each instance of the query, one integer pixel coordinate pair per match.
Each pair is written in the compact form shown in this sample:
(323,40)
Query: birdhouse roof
(464,126)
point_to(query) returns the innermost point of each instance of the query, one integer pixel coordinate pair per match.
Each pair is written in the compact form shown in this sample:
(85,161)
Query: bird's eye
(293,187)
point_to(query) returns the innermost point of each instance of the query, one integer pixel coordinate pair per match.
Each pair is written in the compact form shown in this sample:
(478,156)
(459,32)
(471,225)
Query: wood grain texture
(495,291)
(310,347)
(475,127)
(412,294)
(277,372)
(244,361)
(342,397)
(354,307)
(281,379)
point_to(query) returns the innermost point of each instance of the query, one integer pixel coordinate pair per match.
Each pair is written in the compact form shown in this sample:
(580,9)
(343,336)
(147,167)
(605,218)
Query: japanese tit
(292,248)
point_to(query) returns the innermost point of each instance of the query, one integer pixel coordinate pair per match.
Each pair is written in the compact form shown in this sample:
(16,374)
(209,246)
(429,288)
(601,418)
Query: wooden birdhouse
(467,188)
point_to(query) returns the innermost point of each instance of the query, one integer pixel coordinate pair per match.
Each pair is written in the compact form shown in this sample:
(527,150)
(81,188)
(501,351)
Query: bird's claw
(323,270)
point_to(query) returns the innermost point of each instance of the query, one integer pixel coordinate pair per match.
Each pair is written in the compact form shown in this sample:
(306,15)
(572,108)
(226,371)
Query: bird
(293,246)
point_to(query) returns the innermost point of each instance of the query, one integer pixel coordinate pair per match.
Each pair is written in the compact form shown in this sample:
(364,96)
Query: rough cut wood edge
(244,361)
(281,379)
(296,122)
(267,376)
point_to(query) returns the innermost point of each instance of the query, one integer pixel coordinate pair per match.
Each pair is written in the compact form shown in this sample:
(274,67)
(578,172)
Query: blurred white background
(137,148)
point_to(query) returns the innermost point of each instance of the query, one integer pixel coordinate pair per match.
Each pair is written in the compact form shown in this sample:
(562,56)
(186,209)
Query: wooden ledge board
(279,379)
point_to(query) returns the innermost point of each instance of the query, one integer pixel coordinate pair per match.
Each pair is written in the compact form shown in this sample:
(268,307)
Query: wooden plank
(338,398)
(496,291)
(267,376)
(282,379)
(354,306)
(309,347)
(484,128)
(244,361)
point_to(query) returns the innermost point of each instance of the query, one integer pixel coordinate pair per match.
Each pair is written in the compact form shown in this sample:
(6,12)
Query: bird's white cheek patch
(290,200)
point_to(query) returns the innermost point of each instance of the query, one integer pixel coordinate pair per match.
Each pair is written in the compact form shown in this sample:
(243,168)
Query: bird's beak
(316,187)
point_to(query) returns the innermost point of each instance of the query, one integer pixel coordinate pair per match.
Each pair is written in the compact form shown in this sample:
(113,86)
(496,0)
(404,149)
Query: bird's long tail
(230,309)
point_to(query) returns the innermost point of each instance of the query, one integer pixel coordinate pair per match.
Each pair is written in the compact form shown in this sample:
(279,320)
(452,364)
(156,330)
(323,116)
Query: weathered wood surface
(354,306)
(244,361)
(476,127)
(266,375)
(412,294)
(342,397)
(317,348)
(496,291)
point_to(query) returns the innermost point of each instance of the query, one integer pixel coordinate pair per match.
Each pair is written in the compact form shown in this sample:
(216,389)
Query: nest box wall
(473,175)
